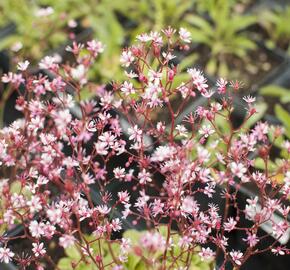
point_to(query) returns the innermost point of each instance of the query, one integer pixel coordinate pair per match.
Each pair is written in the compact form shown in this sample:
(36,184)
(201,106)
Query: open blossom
(206,130)
(222,86)
(119,173)
(198,79)
(48,62)
(157,207)
(144,177)
(251,239)
(153,241)
(206,254)
(128,88)
(38,249)
(116,225)
(36,229)
(249,99)
(238,169)
(95,47)
(126,58)
(135,133)
(236,256)
(230,224)
(34,204)
(189,206)
(124,196)
(5,255)
(162,152)
(66,240)
(184,35)
(23,65)
(278,251)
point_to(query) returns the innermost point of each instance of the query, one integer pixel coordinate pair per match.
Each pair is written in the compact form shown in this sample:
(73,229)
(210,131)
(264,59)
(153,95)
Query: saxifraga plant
(48,191)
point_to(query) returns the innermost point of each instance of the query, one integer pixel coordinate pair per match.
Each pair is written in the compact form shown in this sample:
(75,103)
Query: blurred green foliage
(134,262)
(220,26)
(276,24)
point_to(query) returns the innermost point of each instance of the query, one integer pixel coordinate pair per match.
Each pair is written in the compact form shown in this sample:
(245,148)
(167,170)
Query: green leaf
(73,252)
(65,264)
(260,164)
(200,23)
(276,91)
(284,117)
(132,262)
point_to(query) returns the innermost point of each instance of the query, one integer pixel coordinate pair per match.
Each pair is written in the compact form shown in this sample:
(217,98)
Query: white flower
(184,35)
(206,254)
(238,169)
(79,72)
(5,255)
(135,133)
(230,224)
(162,153)
(23,65)
(127,88)
(249,99)
(36,229)
(126,58)
(44,12)
(189,205)
(236,256)
(48,62)
(66,240)
(38,249)
(181,130)
(144,177)
(206,130)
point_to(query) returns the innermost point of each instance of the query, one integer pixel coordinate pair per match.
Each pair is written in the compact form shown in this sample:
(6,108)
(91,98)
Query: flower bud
(263,152)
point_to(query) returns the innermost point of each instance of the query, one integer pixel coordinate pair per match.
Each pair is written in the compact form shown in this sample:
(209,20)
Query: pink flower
(278,251)
(36,229)
(38,249)
(206,254)
(198,80)
(119,173)
(34,204)
(236,256)
(230,224)
(206,130)
(153,241)
(184,35)
(124,197)
(238,169)
(189,206)
(162,153)
(103,209)
(144,177)
(249,99)
(222,86)
(251,239)
(48,62)
(135,133)
(23,65)
(5,255)
(66,240)
(126,58)
(157,207)
(116,225)
(95,47)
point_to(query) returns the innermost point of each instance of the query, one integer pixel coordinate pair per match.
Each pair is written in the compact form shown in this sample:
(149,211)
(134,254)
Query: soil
(249,70)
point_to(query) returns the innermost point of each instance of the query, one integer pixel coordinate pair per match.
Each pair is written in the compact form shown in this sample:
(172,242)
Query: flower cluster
(73,165)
